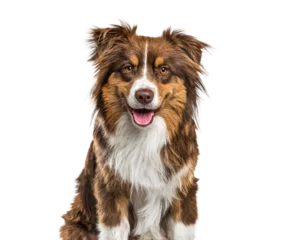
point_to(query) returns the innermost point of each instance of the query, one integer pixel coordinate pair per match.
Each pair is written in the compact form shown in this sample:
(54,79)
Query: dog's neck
(136,152)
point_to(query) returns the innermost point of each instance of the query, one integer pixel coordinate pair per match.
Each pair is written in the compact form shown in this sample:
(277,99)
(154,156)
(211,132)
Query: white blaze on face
(143,83)
(145,59)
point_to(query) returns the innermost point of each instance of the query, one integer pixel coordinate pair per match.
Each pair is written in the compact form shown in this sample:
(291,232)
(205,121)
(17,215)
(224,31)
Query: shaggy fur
(138,181)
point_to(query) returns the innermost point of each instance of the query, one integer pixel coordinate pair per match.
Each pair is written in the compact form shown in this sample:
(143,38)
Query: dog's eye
(127,69)
(164,70)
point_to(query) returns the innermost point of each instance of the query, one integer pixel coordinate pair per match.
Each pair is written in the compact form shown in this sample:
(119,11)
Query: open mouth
(142,117)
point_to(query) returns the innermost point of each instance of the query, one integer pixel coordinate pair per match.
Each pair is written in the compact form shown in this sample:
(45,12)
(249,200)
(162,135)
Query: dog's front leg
(183,214)
(112,208)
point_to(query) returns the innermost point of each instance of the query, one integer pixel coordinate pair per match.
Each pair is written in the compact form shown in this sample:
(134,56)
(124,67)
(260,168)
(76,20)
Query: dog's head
(145,77)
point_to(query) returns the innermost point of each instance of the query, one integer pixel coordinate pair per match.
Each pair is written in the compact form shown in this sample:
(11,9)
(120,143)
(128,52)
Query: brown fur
(102,196)
(134,60)
(159,61)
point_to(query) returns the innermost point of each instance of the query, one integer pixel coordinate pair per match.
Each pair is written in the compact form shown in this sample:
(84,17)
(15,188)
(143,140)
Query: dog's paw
(179,231)
(120,232)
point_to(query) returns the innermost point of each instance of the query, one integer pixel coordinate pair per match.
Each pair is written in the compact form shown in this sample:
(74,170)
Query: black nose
(144,96)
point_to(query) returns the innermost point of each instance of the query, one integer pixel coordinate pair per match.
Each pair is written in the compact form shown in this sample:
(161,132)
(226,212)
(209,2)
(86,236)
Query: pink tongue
(142,118)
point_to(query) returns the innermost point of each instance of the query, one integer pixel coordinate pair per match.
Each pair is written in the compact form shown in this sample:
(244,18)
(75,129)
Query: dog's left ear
(196,51)
(194,47)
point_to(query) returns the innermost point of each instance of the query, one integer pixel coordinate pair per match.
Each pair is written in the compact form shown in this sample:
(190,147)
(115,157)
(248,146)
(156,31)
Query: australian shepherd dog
(138,180)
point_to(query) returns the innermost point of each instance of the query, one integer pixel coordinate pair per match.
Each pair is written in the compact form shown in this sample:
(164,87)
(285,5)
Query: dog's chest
(136,157)
(136,153)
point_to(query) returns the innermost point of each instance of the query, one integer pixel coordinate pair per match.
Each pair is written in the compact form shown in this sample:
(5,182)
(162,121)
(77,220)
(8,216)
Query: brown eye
(164,70)
(127,69)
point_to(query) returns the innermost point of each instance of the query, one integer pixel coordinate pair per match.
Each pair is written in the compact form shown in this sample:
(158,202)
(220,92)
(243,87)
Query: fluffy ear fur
(196,51)
(191,44)
(101,38)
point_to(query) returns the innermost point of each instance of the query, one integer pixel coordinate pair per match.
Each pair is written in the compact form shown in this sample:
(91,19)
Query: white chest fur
(136,158)
(136,152)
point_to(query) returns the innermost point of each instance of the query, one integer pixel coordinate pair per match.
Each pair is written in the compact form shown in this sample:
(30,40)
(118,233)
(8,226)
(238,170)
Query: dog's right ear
(94,39)
(97,38)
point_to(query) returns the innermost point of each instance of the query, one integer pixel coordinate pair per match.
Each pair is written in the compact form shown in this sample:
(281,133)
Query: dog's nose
(144,96)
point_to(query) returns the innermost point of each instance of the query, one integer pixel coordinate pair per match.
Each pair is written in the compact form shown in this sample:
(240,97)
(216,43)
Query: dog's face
(146,77)
(145,83)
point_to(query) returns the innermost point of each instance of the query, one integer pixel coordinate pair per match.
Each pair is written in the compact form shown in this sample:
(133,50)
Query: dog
(138,180)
